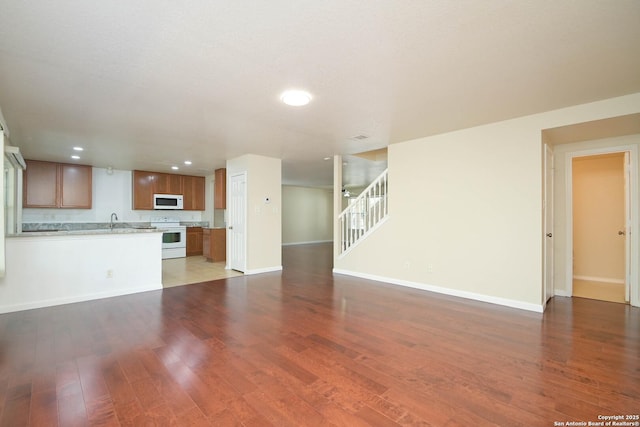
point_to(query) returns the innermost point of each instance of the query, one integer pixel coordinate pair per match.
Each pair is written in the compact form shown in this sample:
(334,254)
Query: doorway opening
(600,245)
(600,207)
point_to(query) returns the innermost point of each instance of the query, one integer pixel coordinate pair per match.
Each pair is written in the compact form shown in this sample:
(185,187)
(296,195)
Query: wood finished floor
(305,348)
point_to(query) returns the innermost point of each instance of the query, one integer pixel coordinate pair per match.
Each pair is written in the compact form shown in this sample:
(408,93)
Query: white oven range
(174,237)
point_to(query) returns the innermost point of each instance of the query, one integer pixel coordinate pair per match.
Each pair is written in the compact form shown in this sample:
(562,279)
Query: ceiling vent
(359,137)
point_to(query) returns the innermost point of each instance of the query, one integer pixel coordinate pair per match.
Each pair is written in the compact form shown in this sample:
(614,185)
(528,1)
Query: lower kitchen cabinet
(194,241)
(214,244)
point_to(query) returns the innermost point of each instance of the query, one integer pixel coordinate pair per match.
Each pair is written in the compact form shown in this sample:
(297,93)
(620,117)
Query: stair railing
(364,213)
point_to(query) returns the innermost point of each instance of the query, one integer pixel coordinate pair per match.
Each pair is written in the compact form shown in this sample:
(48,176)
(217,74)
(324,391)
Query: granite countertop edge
(95,232)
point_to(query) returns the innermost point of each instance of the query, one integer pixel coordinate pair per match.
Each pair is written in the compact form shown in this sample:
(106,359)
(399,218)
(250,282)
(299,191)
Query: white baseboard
(599,279)
(447,291)
(263,270)
(311,242)
(80,298)
(561,293)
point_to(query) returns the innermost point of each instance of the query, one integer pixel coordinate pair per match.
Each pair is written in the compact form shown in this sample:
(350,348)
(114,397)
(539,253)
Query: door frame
(548,213)
(632,269)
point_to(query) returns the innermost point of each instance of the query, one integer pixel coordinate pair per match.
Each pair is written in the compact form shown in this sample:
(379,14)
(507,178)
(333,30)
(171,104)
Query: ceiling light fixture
(175,168)
(78,149)
(74,157)
(295,98)
(187,162)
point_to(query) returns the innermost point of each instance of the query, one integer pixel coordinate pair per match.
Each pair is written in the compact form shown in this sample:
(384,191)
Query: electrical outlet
(429,268)
(109,274)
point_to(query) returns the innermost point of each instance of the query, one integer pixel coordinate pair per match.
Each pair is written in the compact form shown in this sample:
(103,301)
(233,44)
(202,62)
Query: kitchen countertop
(203,224)
(100,231)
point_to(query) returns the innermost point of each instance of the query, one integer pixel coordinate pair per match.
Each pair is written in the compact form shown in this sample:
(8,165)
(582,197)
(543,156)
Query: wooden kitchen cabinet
(194,241)
(57,185)
(193,191)
(146,184)
(75,186)
(206,243)
(143,189)
(214,244)
(40,185)
(168,183)
(220,189)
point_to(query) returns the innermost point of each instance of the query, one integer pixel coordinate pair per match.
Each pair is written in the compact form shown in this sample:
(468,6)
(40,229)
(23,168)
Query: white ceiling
(149,83)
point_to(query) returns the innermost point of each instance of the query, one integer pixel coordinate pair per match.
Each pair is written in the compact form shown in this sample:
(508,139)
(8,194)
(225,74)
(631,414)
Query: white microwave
(167,201)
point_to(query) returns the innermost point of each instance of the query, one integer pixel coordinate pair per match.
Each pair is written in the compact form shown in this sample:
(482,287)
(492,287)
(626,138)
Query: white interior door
(237,222)
(548,225)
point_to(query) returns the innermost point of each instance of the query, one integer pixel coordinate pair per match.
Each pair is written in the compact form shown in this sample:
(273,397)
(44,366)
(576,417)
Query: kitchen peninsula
(49,268)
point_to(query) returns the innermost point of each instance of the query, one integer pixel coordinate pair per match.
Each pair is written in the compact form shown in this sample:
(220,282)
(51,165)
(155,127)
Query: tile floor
(193,269)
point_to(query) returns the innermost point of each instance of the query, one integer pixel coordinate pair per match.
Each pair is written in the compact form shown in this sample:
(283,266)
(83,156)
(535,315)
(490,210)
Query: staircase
(364,214)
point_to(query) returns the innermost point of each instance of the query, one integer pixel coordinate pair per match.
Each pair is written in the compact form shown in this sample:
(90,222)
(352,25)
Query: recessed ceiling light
(74,157)
(175,168)
(78,148)
(187,162)
(327,158)
(295,98)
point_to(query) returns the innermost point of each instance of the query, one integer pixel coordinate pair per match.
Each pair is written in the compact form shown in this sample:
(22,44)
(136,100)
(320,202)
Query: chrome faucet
(112,219)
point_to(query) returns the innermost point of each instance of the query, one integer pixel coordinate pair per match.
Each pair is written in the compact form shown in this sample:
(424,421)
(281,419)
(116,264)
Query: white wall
(111,193)
(51,270)
(466,209)
(2,220)
(307,215)
(264,219)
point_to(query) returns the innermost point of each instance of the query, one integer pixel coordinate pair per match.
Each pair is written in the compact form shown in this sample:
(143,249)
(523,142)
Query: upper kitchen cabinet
(40,185)
(167,183)
(57,185)
(220,189)
(193,192)
(146,184)
(143,189)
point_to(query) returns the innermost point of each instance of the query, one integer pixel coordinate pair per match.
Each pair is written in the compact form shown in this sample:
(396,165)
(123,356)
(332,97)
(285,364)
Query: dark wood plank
(305,347)
(71,408)
(17,406)
(44,409)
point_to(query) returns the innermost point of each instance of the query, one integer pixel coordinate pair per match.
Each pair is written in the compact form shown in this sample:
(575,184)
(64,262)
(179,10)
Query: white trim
(548,245)
(599,279)
(311,242)
(635,225)
(263,270)
(538,308)
(3,125)
(561,293)
(80,298)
